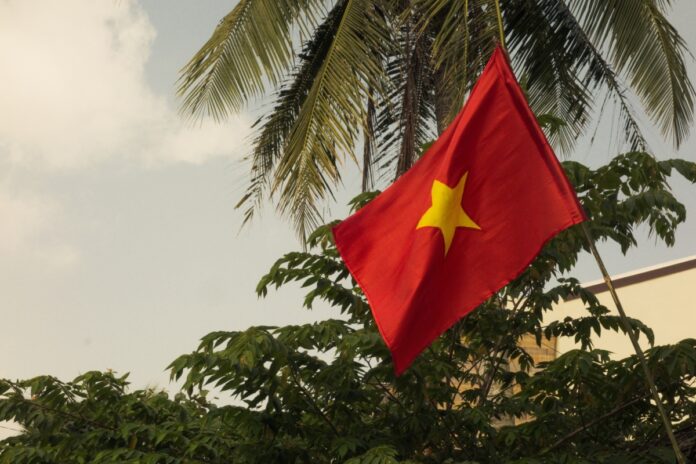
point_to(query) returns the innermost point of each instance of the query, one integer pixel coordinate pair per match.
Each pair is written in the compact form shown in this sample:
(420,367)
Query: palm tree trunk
(414,59)
(443,105)
(369,143)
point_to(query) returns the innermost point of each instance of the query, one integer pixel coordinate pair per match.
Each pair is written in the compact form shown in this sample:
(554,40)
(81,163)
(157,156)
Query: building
(662,297)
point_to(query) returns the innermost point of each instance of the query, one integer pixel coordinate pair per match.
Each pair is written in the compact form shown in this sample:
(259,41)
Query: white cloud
(28,221)
(74,94)
(74,90)
(21,216)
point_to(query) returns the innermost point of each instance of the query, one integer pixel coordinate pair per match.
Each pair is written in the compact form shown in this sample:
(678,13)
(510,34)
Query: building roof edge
(643,274)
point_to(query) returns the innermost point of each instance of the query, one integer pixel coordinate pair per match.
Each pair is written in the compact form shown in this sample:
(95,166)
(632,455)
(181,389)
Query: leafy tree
(94,419)
(326,393)
(390,72)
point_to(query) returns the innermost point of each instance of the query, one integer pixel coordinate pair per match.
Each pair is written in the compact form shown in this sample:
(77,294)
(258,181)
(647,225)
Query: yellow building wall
(666,304)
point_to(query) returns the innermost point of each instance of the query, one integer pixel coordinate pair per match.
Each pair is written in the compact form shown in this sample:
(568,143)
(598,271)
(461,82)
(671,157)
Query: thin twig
(68,415)
(310,401)
(575,432)
(438,412)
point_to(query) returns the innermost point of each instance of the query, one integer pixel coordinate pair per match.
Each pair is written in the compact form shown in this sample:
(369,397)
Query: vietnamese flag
(463,222)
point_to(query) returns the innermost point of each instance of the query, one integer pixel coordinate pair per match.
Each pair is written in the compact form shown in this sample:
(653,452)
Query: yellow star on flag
(446,212)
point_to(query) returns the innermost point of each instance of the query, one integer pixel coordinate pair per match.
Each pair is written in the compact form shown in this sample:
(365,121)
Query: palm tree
(389,74)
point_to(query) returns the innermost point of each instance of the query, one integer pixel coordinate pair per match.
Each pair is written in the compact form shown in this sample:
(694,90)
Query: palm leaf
(598,72)
(326,127)
(269,144)
(464,35)
(646,48)
(560,50)
(250,48)
(543,50)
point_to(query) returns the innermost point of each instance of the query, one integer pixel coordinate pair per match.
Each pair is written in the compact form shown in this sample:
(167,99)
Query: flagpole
(622,314)
(634,340)
(500,25)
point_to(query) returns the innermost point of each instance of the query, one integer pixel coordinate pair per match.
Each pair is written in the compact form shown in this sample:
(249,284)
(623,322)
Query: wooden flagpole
(634,340)
(622,314)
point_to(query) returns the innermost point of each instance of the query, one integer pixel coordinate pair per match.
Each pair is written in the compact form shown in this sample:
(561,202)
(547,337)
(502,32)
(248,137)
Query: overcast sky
(119,243)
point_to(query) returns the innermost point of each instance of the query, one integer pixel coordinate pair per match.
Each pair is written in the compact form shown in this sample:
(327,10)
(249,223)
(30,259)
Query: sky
(119,242)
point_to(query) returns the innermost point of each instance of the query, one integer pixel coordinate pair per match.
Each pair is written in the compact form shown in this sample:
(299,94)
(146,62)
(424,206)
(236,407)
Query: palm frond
(548,62)
(250,48)
(598,72)
(649,51)
(395,70)
(269,144)
(464,35)
(559,47)
(326,127)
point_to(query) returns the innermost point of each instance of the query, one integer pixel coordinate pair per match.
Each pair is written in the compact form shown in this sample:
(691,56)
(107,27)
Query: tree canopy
(325,392)
(390,74)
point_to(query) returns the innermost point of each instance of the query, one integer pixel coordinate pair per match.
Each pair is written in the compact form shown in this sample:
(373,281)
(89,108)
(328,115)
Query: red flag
(463,222)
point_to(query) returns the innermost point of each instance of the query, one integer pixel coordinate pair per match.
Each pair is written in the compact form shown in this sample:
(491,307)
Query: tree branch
(310,401)
(579,430)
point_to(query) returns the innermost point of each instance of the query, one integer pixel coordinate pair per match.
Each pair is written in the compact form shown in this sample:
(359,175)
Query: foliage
(325,392)
(392,73)
(94,419)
